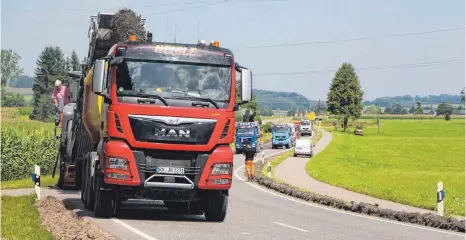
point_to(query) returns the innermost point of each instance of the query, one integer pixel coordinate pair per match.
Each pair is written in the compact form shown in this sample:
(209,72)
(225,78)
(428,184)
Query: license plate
(170,170)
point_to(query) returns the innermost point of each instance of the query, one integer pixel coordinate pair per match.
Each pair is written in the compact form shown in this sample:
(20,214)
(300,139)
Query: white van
(304,147)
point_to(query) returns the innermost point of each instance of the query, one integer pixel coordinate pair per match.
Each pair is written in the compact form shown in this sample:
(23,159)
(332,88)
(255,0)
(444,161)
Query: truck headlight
(221,169)
(118,163)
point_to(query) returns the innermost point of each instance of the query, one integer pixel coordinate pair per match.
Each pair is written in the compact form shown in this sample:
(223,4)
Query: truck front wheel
(216,207)
(106,202)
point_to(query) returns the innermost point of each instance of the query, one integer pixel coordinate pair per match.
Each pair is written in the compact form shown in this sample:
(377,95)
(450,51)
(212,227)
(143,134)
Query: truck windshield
(171,80)
(305,123)
(280,129)
(245,131)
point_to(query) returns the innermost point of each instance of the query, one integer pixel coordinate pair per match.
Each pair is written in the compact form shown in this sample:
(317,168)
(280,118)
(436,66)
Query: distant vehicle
(293,133)
(358,130)
(248,137)
(281,136)
(304,147)
(305,127)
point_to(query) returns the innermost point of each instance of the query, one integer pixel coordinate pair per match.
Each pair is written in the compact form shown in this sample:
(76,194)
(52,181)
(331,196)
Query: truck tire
(216,208)
(106,203)
(61,174)
(84,185)
(87,187)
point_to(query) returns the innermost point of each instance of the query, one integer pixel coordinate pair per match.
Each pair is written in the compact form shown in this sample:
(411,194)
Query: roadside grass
(45,181)
(403,163)
(275,162)
(279,159)
(21,220)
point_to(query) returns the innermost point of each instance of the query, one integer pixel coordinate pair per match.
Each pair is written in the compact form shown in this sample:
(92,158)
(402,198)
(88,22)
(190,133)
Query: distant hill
(408,100)
(281,100)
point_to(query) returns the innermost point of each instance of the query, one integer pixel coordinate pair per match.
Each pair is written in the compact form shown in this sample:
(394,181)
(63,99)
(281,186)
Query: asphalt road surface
(258,213)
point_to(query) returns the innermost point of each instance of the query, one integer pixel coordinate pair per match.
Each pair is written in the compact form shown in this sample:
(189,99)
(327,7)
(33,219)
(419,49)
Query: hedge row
(426,219)
(23,147)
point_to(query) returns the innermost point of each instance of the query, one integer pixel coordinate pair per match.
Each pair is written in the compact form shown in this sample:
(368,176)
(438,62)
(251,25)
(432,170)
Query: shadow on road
(134,211)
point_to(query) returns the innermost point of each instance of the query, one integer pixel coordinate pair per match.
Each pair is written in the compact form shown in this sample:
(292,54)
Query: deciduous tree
(10,68)
(445,109)
(344,98)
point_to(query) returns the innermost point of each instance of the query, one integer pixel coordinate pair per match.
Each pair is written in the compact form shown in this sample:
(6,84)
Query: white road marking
(339,211)
(288,226)
(134,230)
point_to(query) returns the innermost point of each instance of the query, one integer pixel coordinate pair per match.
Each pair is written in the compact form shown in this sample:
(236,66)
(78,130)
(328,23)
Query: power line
(203,4)
(357,39)
(412,65)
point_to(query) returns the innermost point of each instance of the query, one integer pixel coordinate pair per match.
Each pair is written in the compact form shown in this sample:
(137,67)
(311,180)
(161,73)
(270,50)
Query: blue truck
(282,136)
(247,137)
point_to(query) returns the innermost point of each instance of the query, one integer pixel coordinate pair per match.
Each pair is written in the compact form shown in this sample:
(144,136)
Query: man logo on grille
(173,133)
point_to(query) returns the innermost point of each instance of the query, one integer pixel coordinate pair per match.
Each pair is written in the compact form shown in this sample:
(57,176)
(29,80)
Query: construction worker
(249,164)
(62,95)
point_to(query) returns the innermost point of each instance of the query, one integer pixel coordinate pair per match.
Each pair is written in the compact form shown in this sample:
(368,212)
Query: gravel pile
(426,219)
(65,224)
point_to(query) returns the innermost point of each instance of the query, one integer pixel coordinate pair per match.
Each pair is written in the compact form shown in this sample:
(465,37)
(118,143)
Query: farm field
(25,143)
(403,163)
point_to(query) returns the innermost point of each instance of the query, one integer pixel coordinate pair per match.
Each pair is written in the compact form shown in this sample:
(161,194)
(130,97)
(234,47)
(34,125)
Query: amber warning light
(215,43)
(132,38)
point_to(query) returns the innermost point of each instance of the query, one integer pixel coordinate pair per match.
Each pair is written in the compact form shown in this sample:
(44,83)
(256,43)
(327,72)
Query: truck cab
(247,137)
(305,128)
(281,136)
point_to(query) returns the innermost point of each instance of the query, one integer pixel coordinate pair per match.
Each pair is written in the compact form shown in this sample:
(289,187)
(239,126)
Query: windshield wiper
(201,101)
(145,95)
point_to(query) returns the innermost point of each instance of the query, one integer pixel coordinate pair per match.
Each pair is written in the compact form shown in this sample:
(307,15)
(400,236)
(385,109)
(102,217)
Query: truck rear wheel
(106,202)
(216,208)
(86,188)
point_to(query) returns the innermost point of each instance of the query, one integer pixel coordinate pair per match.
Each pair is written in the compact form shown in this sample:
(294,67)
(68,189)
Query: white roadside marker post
(37,181)
(269,170)
(440,198)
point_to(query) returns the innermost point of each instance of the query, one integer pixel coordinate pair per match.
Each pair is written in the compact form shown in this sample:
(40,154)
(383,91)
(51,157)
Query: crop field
(25,143)
(403,163)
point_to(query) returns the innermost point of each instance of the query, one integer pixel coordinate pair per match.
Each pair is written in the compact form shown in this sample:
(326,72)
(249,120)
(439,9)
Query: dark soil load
(426,219)
(126,23)
(65,224)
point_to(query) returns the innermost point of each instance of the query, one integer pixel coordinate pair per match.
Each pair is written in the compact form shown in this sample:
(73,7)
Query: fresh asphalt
(258,213)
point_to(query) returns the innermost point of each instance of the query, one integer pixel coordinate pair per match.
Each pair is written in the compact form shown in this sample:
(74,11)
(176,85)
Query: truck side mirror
(98,78)
(246,85)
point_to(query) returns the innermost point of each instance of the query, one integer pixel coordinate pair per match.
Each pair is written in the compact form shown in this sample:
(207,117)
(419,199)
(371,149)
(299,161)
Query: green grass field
(45,181)
(21,220)
(403,163)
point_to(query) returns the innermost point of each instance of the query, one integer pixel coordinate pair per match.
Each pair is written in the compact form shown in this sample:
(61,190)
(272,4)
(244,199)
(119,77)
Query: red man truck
(153,120)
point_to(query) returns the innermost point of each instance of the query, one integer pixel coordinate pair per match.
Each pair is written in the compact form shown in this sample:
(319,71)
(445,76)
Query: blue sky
(28,26)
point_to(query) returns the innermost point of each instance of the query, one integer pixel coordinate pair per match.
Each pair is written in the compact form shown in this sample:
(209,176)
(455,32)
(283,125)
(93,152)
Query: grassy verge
(45,181)
(275,162)
(21,220)
(403,163)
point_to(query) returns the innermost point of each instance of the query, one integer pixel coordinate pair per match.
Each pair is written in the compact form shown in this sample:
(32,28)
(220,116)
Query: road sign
(311,116)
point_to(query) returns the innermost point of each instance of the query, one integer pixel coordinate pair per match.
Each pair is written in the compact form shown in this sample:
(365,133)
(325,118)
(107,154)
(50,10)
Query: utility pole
(198,23)
(378,114)
(166,32)
(175,34)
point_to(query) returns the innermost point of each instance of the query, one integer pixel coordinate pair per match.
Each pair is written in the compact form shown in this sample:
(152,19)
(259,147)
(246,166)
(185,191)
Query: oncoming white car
(304,146)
